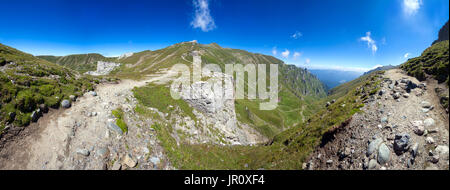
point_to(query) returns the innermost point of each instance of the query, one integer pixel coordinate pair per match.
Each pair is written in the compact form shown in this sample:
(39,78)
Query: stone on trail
(373,146)
(418,127)
(401,143)
(442,151)
(83,152)
(93,93)
(429,122)
(112,126)
(384,154)
(426,104)
(429,140)
(372,164)
(129,161)
(65,104)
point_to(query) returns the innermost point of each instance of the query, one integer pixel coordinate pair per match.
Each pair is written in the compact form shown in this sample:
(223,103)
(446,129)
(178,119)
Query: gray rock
(116,166)
(415,150)
(406,95)
(429,140)
(401,143)
(384,154)
(396,95)
(391,86)
(129,161)
(373,146)
(43,108)
(35,116)
(84,152)
(434,159)
(425,104)
(384,120)
(112,126)
(65,104)
(72,98)
(102,152)
(155,160)
(442,151)
(372,164)
(428,122)
(327,104)
(418,127)
(329,161)
(93,93)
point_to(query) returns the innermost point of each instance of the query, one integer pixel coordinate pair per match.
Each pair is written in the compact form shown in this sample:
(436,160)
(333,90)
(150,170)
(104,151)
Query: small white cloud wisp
(370,42)
(296,55)
(285,53)
(202,18)
(297,35)
(411,7)
(274,51)
(406,55)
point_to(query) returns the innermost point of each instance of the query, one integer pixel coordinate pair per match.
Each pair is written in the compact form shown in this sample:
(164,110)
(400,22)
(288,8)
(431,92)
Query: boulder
(373,146)
(384,154)
(65,104)
(372,164)
(442,151)
(418,127)
(401,143)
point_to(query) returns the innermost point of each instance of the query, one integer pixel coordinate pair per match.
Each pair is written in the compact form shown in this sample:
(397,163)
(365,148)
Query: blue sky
(339,34)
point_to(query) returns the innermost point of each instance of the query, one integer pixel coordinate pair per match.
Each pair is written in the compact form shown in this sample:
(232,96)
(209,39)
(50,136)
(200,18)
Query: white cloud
(297,35)
(370,42)
(410,7)
(202,18)
(376,66)
(406,55)
(296,55)
(274,51)
(285,53)
(307,61)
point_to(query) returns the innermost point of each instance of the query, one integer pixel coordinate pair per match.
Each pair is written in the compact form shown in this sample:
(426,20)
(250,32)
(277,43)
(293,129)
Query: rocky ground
(402,127)
(85,136)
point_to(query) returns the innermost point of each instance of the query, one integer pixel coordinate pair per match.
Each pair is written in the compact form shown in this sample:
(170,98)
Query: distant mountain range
(332,78)
(382,68)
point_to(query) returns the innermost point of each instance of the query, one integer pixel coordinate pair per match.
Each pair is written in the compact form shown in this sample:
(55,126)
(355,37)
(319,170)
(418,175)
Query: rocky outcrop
(215,114)
(103,68)
(443,33)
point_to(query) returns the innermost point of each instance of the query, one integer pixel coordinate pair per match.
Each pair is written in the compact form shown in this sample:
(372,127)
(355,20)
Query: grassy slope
(79,62)
(31,81)
(433,62)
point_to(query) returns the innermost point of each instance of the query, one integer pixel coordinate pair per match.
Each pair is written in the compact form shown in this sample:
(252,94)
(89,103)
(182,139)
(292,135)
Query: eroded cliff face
(214,109)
